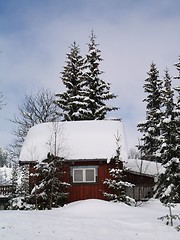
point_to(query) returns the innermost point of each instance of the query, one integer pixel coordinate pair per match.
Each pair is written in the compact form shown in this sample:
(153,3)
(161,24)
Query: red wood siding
(81,191)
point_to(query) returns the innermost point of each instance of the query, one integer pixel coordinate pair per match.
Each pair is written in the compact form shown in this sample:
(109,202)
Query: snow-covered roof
(74,140)
(144,167)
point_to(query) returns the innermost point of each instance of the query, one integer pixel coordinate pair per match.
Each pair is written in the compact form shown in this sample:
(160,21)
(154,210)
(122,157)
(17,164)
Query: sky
(35,36)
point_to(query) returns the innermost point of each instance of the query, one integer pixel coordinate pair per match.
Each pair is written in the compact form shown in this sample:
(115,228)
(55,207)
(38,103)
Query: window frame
(84,169)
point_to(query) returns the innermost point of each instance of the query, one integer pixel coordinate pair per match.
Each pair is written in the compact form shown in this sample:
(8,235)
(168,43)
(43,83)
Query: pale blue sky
(35,36)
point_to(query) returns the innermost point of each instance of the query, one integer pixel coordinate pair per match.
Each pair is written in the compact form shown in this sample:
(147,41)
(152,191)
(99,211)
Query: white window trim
(84,175)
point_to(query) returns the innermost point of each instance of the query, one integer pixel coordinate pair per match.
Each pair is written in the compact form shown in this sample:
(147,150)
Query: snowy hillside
(90,220)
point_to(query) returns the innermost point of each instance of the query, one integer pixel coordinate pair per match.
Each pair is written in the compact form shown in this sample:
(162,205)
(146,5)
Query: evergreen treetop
(86,93)
(98,91)
(72,100)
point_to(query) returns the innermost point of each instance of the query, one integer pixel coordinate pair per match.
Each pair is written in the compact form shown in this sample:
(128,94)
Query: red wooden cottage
(87,147)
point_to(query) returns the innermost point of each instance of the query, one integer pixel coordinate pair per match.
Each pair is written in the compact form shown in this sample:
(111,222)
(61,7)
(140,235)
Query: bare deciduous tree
(38,108)
(134,153)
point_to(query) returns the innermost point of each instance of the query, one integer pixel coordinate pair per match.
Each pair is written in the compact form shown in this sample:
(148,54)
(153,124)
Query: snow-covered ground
(89,220)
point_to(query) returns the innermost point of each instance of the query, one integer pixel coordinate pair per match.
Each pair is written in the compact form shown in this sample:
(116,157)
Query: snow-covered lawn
(89,220)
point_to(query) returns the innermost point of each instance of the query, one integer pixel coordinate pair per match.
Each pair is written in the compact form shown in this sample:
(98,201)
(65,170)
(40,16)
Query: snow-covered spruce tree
(116,184)
(15,175)
(36,108)
(20,183)
(72,101)
(12,204)
(168,185)
(177,106)
(50,190)
(169,134)
(97,90)
(150,141)
(24,181)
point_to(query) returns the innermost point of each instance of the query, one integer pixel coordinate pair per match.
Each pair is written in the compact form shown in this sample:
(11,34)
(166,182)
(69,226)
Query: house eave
(87,160)
(21,163)
(141,174)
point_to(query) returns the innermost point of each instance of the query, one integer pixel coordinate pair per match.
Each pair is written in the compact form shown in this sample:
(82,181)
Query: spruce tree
(151,127)
(24,184)
(72,100)
(168,184)
(13,202)
(117,184)
(50,190)
(177,106)
(97,90)
(168,123)
(20,186)
(14,179)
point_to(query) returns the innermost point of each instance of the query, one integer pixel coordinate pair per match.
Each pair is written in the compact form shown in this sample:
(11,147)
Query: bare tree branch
(35,109)
(1,100)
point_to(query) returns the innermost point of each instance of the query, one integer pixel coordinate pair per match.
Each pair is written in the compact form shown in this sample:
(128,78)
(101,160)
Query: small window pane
(78,175)
(90,175)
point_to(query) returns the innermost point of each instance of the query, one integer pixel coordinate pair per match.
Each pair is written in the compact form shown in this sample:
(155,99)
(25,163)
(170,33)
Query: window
(78,175)
(84,174)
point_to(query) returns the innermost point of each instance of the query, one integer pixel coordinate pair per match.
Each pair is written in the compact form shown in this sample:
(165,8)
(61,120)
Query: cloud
(131,34)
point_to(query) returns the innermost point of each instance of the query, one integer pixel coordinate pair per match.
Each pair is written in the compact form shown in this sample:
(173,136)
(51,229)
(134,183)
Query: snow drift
(90,220)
